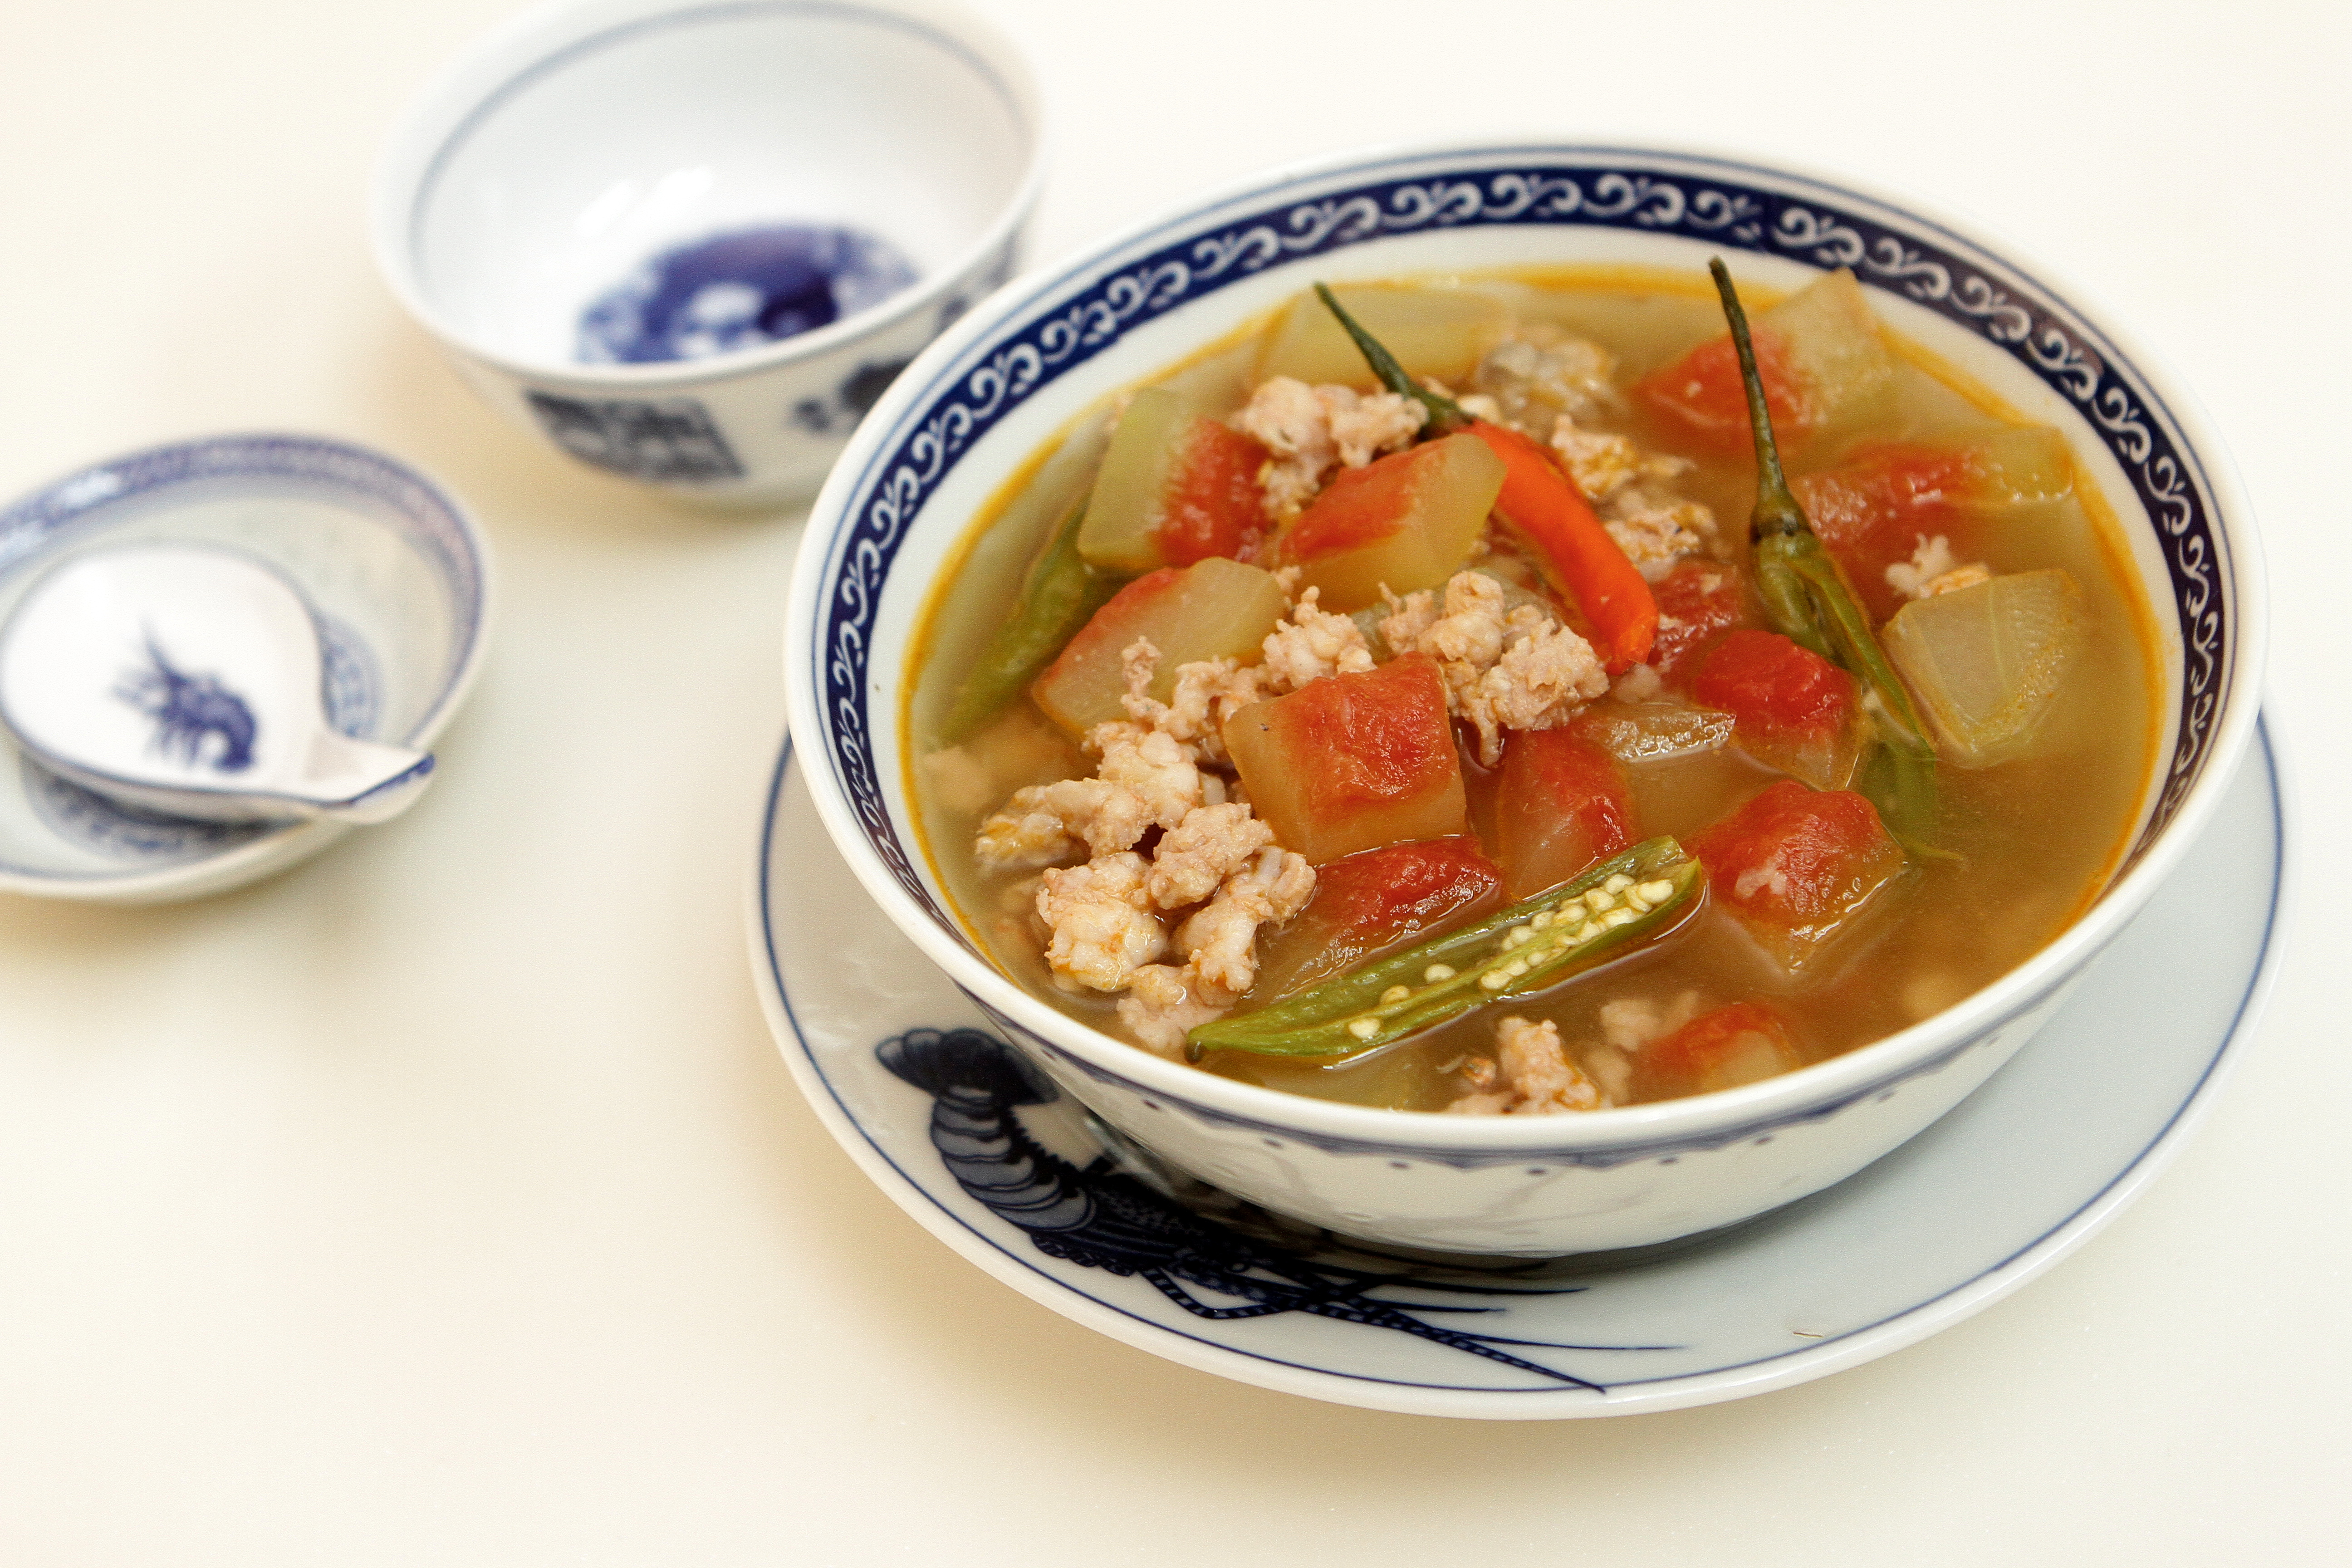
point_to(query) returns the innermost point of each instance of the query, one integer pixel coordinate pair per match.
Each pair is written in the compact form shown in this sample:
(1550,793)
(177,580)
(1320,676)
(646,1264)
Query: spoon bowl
(187,679)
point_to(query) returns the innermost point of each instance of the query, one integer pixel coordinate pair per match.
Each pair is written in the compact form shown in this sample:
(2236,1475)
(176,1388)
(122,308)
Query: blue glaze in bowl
(983,399)
(741,290)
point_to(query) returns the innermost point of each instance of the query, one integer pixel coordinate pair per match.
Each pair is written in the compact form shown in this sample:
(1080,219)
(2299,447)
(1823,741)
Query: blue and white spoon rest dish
(186,678)
(398,583)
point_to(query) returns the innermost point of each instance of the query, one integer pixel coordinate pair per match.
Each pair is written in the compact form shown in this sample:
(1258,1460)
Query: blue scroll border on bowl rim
(1725,204)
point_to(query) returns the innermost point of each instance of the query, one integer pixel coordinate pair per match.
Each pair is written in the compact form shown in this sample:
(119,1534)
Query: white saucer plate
(2021,1174)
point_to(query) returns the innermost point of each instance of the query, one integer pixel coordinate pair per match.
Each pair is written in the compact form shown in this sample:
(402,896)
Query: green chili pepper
(1534,945)
(1902,785)
(1445,415)
(1809,602)
(1058,595)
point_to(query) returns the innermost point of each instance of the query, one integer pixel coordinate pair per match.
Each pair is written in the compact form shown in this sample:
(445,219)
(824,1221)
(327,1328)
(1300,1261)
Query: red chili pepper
(1544,506)
(1543,503)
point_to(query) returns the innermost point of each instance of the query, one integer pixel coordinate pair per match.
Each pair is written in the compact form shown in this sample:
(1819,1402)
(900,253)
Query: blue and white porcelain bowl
(395,577)
(978,404)
(689,241)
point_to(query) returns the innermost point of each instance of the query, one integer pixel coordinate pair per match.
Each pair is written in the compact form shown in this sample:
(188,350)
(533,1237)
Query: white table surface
(445,1200)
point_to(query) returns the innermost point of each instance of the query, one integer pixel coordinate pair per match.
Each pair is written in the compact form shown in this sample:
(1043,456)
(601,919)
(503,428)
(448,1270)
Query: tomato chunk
(1698,601)
(1793,710)
(1353,761)
(1771,681)
(1563,804)
(1873,509)
(1366,903)
(1407,519)
(1871,512)
(1744,1043)
(1175,486)
(1703,394)
(1214,505)
(1797,867)
(1823,366)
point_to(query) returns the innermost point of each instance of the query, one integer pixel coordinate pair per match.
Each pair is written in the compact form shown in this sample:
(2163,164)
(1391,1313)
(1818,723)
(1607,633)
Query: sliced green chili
(1058,595)
(1534,945)
(1809,602)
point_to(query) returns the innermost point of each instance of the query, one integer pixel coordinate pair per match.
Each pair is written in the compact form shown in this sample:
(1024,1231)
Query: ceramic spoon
(186,679)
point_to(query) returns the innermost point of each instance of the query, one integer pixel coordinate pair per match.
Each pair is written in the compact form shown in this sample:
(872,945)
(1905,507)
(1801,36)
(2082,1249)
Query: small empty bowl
(389,569)
(690,243)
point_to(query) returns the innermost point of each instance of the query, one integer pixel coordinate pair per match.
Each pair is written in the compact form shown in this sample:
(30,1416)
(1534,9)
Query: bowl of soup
(1316,672)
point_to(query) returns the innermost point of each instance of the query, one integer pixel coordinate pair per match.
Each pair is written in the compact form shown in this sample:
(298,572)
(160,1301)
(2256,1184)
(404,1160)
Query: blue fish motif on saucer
(990,1155)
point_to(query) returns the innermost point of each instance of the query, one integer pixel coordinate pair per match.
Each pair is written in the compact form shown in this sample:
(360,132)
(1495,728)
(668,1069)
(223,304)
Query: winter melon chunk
(1987,661)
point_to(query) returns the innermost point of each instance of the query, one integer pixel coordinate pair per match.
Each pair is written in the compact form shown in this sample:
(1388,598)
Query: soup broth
(2025,829)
